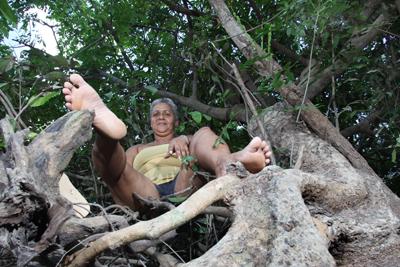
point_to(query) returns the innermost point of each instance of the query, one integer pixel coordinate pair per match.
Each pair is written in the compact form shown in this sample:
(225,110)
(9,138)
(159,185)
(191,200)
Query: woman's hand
(179,147)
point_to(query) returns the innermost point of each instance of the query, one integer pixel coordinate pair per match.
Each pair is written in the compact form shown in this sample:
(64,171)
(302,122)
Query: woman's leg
(108,155)
(214,157)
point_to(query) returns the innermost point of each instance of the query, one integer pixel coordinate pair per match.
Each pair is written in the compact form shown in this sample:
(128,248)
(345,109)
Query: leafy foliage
(131,51)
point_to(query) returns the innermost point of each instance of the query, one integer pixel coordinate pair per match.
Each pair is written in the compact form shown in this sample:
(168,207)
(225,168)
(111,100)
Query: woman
(130,172)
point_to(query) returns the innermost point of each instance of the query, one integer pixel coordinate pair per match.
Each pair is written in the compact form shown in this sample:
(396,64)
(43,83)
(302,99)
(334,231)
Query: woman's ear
(176,123)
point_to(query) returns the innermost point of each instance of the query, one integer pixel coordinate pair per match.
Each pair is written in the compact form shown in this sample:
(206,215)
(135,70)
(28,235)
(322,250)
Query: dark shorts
(166,188)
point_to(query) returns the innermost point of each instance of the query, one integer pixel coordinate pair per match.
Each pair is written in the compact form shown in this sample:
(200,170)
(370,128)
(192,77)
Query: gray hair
(169,102)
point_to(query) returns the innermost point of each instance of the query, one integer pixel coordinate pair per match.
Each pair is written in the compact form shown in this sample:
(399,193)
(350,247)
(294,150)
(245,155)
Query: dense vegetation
(135,51)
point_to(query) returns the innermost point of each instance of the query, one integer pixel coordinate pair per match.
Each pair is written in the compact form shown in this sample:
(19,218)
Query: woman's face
(162,120)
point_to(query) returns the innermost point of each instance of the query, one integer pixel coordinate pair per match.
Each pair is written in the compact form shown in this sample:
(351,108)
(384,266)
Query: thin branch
(218,211)
(10,109)
(142,245)
(155,203)
(358,41)
(253,110)
(309,67)
(290,92)
(224,114)
(52,30)
(275,44)
(183,10)
(335,110)
(28,104)
(153,28)
(193,67)
(154,228)
(122,50)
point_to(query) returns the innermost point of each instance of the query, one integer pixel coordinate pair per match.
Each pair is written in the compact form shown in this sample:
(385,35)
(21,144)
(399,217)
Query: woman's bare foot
(79,95)
(255,156)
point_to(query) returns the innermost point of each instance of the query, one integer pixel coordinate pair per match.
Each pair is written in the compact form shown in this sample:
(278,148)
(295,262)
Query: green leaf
(201,229)
(54,76)
(176,199)
(40,101)
(7,12)
(215,79)
(218,141)
(207,117)
(394,155)
(186,160)
(196,116)
(109,95)
(152,89)
(398,141)
(6,64)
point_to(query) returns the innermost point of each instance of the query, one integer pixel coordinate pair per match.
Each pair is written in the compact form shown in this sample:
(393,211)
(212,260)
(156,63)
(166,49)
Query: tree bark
(290,92)
(325,212)
(31,207)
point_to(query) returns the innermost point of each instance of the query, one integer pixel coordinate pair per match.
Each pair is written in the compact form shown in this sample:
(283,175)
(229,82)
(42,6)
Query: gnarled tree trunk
(322,212)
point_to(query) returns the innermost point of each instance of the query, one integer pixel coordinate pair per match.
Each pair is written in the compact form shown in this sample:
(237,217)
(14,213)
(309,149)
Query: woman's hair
(167,101)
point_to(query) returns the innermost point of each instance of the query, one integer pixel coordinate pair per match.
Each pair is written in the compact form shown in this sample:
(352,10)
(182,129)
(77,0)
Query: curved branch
(194,205)
(224,114)
(250,49)
(291,92)
(364,126)
(236,112)
(358,41)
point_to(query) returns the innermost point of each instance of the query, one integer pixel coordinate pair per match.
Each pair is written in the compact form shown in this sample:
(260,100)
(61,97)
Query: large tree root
(322,213)
(31,208)
(154,228)
(360,214)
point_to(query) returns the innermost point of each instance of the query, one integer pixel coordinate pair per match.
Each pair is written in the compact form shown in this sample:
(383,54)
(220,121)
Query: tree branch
(154,228)
(183,10)
(276,45)
(224,114)
(291,92)
(289,53)
(121,49)
(193,67)
(10,109)
(358,41)
(247,98)
(364,126)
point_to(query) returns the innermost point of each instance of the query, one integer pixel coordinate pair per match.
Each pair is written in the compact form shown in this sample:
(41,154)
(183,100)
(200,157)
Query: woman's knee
(203,130)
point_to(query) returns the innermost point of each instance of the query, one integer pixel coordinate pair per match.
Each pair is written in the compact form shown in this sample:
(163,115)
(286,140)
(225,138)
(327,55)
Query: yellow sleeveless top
(151,162)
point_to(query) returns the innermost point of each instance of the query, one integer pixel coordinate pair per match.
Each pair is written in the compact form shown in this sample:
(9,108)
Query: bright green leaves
(176,200)
(36,101)
(198,116)
(8,16)
(152,89)
(55,76)
(263,35)
(7,12)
